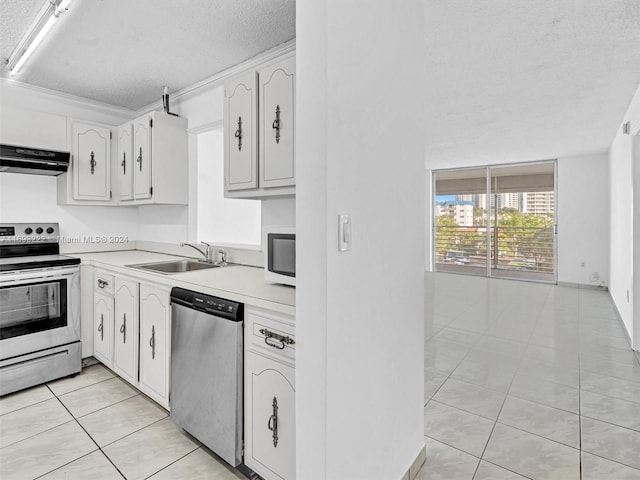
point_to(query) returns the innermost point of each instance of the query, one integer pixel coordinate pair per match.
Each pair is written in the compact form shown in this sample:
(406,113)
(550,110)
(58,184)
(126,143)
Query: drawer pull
(102,283)
(276,340)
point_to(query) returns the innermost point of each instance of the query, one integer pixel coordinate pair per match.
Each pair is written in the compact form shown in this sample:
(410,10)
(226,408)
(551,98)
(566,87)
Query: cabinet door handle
(276,340)
(272,424)
(152,341)
(123,328)
(123,164)
(93,163)
(238,133)
(101,327)
(103,283)
(276,124)
(139,159)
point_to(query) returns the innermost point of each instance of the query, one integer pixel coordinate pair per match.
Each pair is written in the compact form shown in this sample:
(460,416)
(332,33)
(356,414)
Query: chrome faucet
(207,254)
(223,257)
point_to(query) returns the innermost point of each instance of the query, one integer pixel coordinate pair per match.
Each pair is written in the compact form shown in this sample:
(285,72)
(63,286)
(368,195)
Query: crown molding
(220,77)
(70,99)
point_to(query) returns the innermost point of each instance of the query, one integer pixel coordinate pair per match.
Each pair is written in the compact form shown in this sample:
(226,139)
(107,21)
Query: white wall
(582,213)
(623,195)
(360,314)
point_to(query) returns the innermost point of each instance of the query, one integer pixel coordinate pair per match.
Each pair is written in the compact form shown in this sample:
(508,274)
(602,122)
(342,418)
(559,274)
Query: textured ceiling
(123,52)
(527,80)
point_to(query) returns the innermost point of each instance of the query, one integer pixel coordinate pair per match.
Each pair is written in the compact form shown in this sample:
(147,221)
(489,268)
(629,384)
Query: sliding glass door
(497,221)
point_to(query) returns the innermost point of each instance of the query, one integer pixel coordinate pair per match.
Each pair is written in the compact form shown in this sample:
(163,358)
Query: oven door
(38,310)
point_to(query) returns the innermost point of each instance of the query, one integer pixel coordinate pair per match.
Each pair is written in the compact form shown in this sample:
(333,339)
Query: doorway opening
(496,221)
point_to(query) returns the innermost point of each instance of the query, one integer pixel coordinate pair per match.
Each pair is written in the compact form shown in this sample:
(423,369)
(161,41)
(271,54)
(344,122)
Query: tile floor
(522,380)
(95,426)
(526,380)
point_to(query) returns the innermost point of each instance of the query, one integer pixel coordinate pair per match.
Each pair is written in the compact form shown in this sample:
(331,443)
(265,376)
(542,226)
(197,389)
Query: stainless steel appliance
(17,159)
(206,392)
(280,255)
(39,307)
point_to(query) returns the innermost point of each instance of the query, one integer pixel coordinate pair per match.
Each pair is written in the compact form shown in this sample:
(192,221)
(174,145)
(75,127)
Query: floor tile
(612,410)
(531,455)
(198,465)
(112,423)
(433,380)
(446,463)
(610,386)
(94,466)
(462,430)
(548,422)
(597,468)
(546,392)
(149,450)
(488,471)
(474,399)
(24,398)
(88,376)
(611,441)
(31,420)
(94,397)
(44,452)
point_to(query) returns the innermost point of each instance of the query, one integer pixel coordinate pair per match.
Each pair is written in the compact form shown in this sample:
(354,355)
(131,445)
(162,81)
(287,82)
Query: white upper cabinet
(124,161)
(277,121)
(91,162)
(259,119)
(153,160)
(142,154)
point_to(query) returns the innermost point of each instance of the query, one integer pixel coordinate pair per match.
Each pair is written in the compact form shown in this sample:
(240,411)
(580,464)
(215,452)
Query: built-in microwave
(280,255)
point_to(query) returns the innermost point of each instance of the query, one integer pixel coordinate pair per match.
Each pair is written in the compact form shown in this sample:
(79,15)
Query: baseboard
(416,465)
(583,286)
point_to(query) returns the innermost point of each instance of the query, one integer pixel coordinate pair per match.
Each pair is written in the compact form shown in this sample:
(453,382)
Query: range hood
(36,161)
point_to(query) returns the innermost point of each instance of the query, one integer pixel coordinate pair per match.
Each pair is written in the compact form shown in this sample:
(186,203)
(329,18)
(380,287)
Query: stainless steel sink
(176,266)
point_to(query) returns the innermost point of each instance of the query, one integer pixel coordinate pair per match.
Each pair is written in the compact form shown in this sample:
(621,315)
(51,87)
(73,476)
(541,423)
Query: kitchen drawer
(270,334)
(103,283)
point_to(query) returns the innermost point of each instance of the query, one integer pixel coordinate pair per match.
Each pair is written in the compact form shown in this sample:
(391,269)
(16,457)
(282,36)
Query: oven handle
(37,275)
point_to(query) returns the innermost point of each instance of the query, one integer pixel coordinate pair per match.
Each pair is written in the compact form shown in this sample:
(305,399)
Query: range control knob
(39,230)
(28,230)
(50,230)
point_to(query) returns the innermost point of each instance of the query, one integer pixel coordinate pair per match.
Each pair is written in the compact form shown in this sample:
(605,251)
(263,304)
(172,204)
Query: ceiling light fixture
(43,23)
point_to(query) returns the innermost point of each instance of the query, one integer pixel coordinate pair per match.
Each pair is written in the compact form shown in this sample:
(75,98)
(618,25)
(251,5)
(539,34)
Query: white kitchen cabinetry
(88,180)
(270,394)
(103,318)
(125,356)
(260,107)
(152,161)
(155,317)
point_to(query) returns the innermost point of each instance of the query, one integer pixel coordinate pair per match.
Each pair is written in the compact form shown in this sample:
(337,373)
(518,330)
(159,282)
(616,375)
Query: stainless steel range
(39,307)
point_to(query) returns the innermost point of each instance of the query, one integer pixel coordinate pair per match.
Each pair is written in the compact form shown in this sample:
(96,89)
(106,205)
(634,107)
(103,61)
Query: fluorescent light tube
(34,44)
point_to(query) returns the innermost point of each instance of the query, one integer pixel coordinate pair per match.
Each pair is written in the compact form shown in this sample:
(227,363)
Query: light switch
(344,233)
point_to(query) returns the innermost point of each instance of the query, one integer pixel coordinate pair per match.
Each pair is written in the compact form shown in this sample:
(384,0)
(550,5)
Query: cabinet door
(154,354)
(91,162)
(277,108)
(240,130)
(125,161)
(103,328)
(142,153)
(270,415)
(125,355)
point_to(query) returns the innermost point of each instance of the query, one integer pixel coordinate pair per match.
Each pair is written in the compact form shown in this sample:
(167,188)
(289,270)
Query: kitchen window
(222,220)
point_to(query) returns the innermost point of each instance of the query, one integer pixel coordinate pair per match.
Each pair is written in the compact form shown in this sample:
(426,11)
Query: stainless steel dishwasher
(206,395)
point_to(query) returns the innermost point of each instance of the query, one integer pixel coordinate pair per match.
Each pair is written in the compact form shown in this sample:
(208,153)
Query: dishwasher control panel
(208,303)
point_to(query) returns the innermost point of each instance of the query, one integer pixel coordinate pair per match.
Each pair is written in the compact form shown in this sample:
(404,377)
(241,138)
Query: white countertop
(234,282)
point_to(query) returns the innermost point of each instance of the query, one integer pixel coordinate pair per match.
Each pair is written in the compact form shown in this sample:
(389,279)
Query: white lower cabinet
(125,356)
(103,328)
(269,383)
(131,332)
(155,315)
